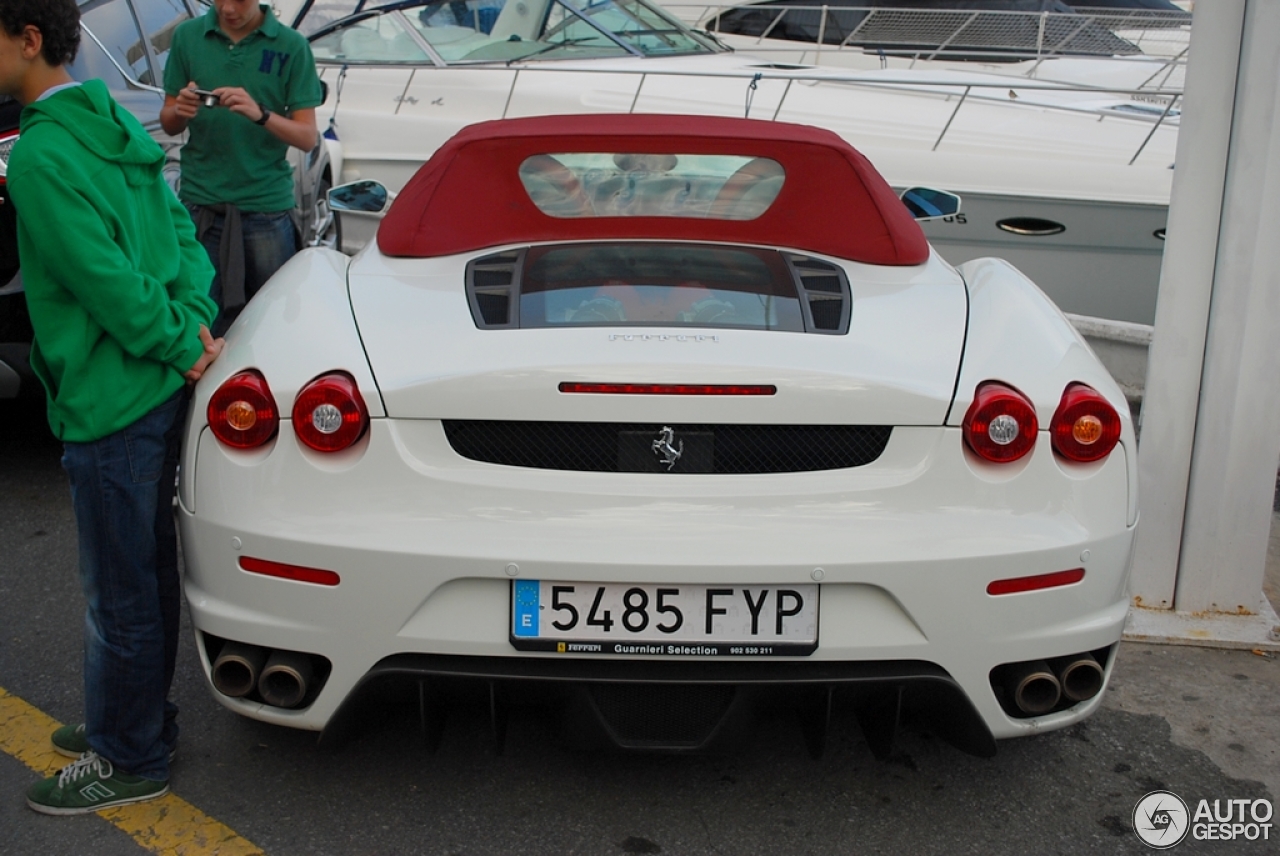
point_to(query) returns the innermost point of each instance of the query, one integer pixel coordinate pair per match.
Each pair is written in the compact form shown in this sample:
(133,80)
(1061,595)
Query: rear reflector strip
(668,388)
(288,572)
(1041,581)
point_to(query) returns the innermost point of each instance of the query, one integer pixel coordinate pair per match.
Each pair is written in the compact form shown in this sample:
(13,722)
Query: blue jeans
(270,240)
(122,489)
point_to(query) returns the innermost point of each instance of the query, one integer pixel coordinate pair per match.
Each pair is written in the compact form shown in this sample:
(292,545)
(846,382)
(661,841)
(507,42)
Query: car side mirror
(360,197)
(926,203)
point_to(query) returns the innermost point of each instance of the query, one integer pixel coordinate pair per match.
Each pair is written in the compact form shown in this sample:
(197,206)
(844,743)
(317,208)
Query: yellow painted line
(169,825)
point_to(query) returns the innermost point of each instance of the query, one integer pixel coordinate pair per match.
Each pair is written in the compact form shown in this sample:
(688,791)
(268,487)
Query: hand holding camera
(207,97)
(193,100)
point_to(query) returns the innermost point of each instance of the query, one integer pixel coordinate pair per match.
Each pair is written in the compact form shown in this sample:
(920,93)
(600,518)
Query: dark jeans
(122,489)
(270,240)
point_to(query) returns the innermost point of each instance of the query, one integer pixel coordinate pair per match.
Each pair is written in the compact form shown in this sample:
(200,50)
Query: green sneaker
(69,740)
(91,784)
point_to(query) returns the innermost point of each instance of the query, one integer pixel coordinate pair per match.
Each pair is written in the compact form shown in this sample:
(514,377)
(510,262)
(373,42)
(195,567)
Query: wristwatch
(266,114)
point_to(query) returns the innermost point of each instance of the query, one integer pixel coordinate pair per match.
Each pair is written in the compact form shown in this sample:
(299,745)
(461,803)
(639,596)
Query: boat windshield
(470,31)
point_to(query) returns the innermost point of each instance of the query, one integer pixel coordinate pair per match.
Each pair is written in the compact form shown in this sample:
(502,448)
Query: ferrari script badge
(668,448)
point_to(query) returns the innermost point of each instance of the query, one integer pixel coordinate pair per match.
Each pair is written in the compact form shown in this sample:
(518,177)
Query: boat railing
(940,34)
(1137,104)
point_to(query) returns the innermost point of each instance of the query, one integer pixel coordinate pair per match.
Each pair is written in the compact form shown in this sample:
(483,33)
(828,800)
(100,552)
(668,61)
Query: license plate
(664,620)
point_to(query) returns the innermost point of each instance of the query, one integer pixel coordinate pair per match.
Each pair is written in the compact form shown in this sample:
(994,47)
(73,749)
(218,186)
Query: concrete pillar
(1237,445)
(1211,412)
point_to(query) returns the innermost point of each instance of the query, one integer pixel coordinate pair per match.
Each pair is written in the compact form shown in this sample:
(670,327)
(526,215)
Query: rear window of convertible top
(607,184)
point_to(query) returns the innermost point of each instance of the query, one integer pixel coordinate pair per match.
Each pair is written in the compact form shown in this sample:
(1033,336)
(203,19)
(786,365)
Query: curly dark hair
(57,20)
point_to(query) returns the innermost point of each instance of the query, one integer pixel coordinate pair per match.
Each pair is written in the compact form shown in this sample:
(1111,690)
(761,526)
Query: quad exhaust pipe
(236,669)
(1080,676)
(282,678)
(1034,687)
(1037,687)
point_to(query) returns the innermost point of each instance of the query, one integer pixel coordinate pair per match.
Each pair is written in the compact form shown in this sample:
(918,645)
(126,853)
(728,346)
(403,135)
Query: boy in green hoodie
(117,289)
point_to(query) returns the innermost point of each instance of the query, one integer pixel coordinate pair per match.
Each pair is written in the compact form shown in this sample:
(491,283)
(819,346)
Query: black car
(15,326)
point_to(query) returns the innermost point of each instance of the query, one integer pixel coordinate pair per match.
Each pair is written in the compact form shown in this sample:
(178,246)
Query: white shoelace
(88,763)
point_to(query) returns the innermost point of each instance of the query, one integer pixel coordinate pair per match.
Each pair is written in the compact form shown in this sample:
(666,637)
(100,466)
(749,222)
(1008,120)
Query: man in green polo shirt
(236,180)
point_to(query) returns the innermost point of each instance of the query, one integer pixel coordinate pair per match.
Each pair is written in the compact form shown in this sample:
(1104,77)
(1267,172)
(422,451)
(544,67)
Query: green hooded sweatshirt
(117,285)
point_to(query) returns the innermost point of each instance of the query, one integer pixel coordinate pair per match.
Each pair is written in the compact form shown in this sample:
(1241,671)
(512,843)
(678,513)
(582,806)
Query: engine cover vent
(491,288)
(826,292)
(658,284)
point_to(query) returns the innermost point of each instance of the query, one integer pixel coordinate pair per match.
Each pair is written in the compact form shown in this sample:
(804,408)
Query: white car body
(427,542)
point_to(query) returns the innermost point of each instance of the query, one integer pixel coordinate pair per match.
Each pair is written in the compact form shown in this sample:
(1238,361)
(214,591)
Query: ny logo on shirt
(273,61)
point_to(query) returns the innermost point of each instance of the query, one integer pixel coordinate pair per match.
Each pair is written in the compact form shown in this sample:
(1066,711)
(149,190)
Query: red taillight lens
(1001,423)
(242,413)
(329,414)
(1085,426)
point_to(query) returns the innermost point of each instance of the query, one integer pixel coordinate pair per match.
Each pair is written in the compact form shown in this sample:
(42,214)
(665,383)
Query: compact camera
(207,97)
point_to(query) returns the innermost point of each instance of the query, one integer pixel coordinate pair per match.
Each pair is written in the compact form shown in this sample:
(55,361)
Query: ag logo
(1161,819)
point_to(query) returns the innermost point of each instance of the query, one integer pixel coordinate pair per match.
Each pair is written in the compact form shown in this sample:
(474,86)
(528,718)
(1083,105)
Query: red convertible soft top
(470,196)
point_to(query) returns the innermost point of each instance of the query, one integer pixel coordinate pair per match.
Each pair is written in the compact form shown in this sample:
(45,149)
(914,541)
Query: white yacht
(1069,182)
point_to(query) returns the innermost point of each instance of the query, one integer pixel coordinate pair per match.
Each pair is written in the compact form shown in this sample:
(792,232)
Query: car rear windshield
(658,284)
(620,184)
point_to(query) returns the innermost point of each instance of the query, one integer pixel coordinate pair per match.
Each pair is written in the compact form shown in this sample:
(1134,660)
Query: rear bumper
(426,545)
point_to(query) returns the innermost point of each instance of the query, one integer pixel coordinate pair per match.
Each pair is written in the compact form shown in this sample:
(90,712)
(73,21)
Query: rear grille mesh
(630,447)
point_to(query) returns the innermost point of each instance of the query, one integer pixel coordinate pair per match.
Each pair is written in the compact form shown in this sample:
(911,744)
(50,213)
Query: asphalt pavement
(1197,722)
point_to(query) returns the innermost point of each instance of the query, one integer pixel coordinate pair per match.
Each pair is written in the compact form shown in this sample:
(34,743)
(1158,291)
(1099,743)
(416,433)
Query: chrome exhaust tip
(285,679)
(1033,686)
(235,671)
(1081,677)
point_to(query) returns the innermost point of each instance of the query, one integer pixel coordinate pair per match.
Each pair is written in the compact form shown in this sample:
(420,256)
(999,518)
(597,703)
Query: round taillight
(1000,425)
(242,412)
(329,414)
(1085,426)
